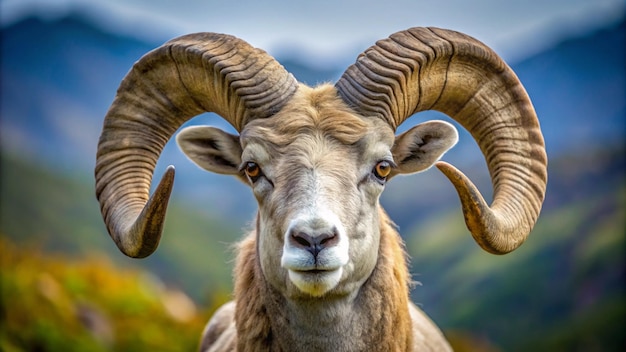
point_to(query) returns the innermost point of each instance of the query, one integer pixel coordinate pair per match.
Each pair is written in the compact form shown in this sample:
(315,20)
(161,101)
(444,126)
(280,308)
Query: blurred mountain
(58,79)
(579,91)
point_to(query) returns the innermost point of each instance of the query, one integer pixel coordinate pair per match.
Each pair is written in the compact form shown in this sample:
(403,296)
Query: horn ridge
(430,68)
(186,76)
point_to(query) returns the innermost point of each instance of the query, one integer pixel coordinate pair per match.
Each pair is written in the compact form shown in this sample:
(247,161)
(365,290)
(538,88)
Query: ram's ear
(211,148)
(420,147)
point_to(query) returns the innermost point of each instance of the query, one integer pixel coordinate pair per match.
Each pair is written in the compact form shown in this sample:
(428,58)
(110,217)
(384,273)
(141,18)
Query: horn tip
(145,234)
(490,230)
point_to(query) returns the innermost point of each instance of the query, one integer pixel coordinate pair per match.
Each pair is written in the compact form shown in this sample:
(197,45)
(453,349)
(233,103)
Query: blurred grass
(51,303)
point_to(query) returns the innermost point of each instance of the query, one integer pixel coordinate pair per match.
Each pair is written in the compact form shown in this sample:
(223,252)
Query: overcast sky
(332,29)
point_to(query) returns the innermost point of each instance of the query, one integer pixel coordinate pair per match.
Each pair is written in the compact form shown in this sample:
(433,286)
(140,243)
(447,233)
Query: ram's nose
(314,242)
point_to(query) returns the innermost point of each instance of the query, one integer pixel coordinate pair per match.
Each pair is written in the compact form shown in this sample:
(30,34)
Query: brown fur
(390,322)
(384,298)
(316,110)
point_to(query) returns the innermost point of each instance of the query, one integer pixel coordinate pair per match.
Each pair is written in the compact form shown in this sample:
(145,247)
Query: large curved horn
(189,75)
(434,69)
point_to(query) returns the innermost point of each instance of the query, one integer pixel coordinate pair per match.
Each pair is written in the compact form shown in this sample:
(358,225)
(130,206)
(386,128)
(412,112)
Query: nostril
(303,239)
(329,239)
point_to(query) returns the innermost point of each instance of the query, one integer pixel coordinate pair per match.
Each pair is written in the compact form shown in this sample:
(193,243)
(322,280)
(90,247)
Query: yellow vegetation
(51,303)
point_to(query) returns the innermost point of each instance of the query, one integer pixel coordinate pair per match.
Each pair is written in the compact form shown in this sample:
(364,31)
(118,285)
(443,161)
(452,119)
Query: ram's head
(317,159)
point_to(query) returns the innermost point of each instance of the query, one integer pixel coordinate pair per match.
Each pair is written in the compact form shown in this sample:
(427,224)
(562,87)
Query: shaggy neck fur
(376,318)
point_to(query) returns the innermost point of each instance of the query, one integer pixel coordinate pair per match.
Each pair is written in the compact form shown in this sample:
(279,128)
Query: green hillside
(61,215)
(563,290)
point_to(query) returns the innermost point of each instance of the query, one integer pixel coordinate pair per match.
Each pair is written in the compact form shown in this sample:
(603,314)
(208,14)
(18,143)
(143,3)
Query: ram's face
(317,171)
(317,185)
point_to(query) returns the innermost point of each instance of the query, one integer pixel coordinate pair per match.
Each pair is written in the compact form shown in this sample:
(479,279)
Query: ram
(324,268)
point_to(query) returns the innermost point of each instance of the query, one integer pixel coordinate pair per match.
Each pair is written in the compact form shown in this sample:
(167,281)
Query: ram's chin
(315,282)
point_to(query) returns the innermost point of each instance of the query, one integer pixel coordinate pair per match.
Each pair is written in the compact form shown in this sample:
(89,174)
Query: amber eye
(252,170)
(382,169)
